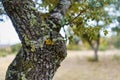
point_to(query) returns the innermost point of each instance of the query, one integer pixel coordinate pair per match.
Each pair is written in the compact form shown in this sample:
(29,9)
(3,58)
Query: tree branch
(75,17)
(57,14)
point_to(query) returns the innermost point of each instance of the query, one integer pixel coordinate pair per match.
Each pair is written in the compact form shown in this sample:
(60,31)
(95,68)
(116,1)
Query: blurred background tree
(88,19)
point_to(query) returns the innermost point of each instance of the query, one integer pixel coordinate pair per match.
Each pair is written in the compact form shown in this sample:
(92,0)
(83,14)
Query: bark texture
(43,48)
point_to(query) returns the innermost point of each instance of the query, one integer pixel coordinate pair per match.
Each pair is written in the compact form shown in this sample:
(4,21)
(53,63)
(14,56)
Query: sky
(8,35)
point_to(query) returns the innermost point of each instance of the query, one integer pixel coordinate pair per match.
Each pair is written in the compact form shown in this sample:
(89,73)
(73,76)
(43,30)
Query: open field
(76,66)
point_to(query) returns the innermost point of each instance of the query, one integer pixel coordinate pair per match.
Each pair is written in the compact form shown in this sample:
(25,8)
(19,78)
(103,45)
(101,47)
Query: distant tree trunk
(43,48)
(96,54)
(96,50)
(95,47)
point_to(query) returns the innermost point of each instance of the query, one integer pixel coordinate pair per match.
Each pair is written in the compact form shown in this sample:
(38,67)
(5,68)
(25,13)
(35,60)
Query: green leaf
(105,32)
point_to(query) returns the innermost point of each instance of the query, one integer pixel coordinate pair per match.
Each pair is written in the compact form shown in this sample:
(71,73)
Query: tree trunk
(96,54)
(43,48)
(97,47)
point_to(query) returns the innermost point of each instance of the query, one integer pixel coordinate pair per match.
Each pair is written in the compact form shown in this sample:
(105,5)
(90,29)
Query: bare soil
(76,66)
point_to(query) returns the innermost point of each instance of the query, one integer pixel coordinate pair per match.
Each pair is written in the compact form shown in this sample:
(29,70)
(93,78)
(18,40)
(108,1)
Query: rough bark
(43,48)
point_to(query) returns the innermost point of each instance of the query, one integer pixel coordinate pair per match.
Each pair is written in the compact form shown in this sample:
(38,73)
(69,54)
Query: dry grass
(4,62)
(76,67)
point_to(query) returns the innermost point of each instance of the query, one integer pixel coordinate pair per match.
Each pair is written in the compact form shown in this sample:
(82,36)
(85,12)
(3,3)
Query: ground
(76,66)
